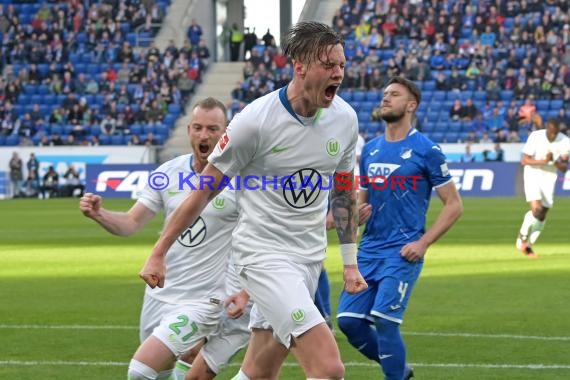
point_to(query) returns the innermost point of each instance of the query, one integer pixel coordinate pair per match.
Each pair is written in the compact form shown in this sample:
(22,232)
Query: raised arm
(185,215)
(117,223)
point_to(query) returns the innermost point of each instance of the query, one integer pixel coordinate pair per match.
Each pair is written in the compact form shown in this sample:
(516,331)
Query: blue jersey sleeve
(363,166)
(437,170)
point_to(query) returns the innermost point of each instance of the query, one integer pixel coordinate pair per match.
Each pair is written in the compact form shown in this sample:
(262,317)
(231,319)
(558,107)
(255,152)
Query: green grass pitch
(70,297)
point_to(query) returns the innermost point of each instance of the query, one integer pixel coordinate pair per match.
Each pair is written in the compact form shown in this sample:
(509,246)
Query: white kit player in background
(297,134)
(176,318)
(544,154)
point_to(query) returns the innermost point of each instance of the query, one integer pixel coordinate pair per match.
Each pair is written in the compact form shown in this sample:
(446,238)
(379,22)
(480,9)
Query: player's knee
(351,327)
(335,370)
(140,371)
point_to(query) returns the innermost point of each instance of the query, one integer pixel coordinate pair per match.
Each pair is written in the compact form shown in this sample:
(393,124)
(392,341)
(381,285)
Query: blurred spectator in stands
(456,112)
(496,121)
(236,41)
(108,125)
(72,183)
(513,137)
(471,138)
(70,140)
(469,110)
(50,184)
(135,140)
(485,139)
(527,111)
(441,82)
(194,33)
(150,139)
(32,184)
(467,156)
(94,141)
(44,141)
(500,136)
(250,40)
(497,154)
(16,175)
(203,54)
(56,140)
(269,40)
(456,82)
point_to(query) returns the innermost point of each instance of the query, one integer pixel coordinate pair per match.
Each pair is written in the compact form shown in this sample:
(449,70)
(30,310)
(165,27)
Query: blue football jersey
(400,176)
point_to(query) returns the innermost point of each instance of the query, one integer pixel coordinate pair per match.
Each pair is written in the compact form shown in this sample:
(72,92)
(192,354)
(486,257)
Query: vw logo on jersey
(303,188)
(380,171)
(194,235)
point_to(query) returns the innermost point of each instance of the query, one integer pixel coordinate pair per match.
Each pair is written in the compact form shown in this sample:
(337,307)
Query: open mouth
(330,91)
(204,148)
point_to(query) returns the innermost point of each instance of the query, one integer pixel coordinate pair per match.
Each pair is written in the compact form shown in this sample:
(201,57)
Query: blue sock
(361,335)
(392,352)
(323,295)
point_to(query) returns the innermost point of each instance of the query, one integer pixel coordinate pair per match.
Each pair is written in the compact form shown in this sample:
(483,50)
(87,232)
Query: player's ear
(300,69)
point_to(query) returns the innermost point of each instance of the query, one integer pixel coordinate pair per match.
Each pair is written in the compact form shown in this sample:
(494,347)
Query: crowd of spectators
(498,67)
(87,72)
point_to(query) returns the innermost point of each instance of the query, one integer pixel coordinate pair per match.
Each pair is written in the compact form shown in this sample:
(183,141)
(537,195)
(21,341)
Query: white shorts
(232,336)
(283,293)
(187,325)
(539,186)
(151,313)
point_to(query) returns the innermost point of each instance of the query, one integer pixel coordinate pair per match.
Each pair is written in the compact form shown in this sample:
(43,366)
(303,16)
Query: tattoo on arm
(343,206)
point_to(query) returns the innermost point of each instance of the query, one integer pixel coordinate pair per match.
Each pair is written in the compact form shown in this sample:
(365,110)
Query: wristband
(348,253)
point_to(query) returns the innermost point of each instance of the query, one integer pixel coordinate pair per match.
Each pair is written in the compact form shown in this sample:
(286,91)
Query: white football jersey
(537,146)
(197,262)
(286,165)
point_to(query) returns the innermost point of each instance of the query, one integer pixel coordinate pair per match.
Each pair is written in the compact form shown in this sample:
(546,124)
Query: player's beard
(392,116)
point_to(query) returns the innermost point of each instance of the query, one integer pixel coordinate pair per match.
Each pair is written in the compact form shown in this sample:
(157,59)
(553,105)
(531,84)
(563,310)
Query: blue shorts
(390,283)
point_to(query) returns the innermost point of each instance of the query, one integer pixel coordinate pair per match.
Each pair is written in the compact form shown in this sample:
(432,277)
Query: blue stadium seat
(368,106)
(358,96)
(556,104)
(346,95)
(373,96)
(429,85)
(438,96)
(95,130)
(162,129)
(2,140)
(375,126)
(506,95)
(437,137)
(542,105)
(174,109)
(433,116)
(12,140)
(148,128)
(117,140)
(104,139)
(136,129)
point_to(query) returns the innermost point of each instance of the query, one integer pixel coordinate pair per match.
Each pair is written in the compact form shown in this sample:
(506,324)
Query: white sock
(535,230)
(240,376)
(528,221)
(140,371)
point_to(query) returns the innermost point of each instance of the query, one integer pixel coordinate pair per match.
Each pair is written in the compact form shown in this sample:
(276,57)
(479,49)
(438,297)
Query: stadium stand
(90,70)
(507,62)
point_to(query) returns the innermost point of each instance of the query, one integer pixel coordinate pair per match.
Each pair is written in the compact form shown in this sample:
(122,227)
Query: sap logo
(122,181)
(465,178)
(380,171)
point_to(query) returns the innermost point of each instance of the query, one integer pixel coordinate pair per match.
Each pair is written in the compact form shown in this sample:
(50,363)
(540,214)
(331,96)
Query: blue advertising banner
(117,181)
(485,179)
